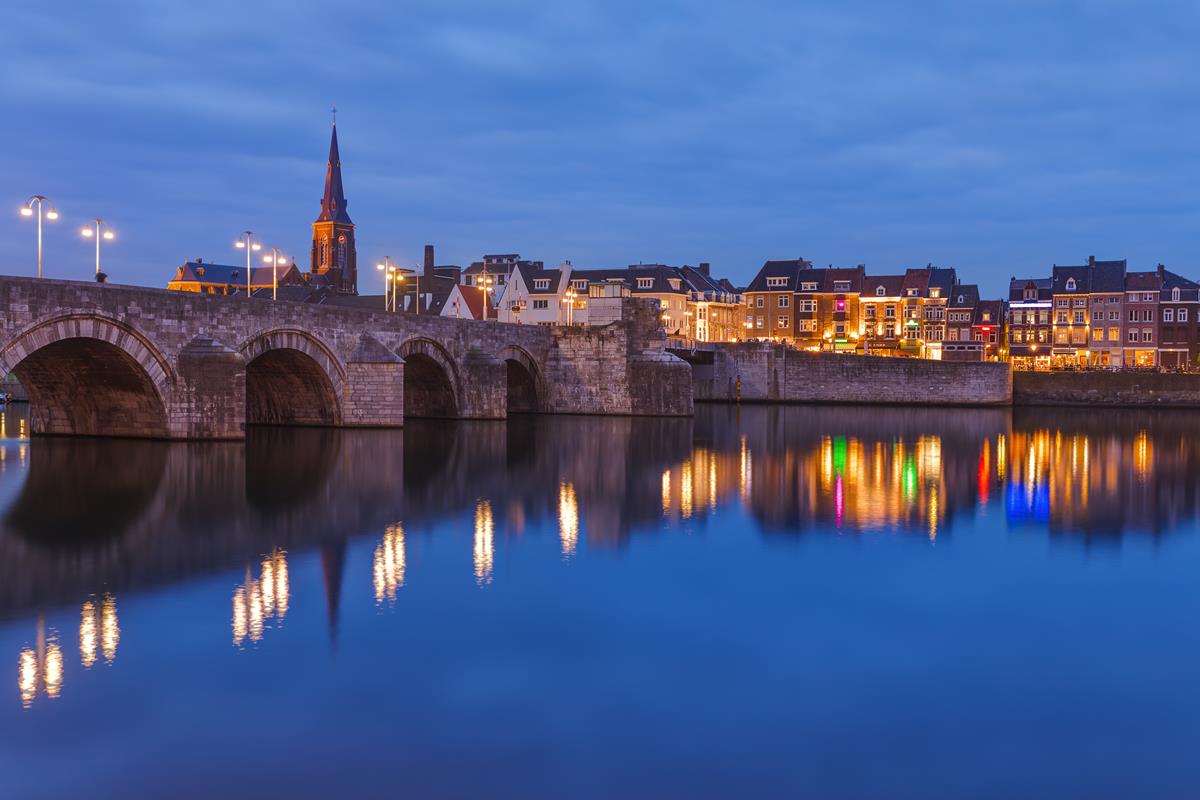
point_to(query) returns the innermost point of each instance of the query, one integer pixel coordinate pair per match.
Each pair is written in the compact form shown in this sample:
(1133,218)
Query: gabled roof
(1188,289)
(916,279)
(204,272)
(472,301)
(779,269)
(1143,281)
(965,295)
(1062,278)
(854,275)
(944,278)
(1017,286)
(531,275)
(891,284)
(994,307)
(1108,276)
(660,276)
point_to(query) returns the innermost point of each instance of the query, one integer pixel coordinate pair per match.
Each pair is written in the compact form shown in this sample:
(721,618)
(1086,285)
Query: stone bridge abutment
(109,360)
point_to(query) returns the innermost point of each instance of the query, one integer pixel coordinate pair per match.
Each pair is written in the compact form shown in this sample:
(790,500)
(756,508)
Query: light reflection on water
(266,524)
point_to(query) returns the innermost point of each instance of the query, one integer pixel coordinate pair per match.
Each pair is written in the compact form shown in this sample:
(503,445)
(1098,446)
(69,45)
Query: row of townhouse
(924,312)
(695,306)
(1101,314)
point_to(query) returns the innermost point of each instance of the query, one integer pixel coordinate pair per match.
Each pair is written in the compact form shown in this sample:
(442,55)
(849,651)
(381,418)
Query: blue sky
(997,137)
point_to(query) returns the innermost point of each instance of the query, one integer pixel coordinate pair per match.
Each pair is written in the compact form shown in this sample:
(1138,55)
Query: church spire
(333,204)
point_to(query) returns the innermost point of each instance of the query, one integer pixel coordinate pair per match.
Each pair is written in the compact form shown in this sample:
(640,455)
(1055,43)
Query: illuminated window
(782,322)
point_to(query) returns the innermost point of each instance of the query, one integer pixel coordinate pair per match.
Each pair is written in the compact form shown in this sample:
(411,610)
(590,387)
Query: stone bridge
(111,360)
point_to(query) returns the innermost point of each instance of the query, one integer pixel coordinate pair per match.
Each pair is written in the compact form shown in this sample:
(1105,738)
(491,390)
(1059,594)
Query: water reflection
(261,603)
(388,565)
(82,514)
(485,544)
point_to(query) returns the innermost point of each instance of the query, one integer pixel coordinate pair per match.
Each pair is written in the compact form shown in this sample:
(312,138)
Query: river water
(800,601)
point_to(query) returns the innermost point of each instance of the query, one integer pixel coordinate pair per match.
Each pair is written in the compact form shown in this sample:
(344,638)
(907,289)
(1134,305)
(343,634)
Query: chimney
(1091,261)
(427,272)
(1161,269)
(705,269)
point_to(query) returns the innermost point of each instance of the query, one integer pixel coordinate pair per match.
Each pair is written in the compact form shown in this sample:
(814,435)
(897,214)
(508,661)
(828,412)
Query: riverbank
(1107,389)
(756,372)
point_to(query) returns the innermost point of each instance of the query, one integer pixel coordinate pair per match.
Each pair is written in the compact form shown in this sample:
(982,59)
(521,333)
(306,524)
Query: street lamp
(27,211)
(248,244)
(569,300)
(99,231)
(387,268)
(397,277)
(485,283)
(273,260)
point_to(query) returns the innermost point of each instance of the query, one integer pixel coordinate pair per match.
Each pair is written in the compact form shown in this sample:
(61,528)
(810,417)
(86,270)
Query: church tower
(333,252)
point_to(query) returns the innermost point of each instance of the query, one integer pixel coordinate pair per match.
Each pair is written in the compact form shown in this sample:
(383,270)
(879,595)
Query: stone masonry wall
(777,373)
(1106,389)
(193,350)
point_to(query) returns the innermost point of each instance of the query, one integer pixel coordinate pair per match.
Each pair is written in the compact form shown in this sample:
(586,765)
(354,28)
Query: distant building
(334,260)
(200,276)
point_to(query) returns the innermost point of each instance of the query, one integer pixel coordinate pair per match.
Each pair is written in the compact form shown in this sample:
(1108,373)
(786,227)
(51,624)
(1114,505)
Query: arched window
(1175,294)
(880,291)
(1070,284)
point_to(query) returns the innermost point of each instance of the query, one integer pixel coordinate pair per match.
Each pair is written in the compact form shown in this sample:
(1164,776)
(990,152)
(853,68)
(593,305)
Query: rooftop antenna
(333,110)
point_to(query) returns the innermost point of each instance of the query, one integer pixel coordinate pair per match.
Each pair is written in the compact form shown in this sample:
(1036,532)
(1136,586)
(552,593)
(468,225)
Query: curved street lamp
(99,230)
(27,211)
(247,243)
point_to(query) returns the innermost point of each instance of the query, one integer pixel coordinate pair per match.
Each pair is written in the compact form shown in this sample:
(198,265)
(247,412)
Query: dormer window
(674,283)
(1175,294)
(645,283)
(841,286)
(808,286)
(911,292)
(960,299)
(541,283)
(1031,294)
(935,292)
(580,285)
(880,291)
(772,282)
(1070,284)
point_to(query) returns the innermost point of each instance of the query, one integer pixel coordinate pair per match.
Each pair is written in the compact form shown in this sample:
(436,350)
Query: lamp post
(273,260)
(99,231)
(485,283)
(387,268)
(569,301)
(248,244)
(27,211)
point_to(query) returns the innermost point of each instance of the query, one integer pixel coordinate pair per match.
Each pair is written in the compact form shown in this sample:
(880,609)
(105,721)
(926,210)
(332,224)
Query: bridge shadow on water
(78,514)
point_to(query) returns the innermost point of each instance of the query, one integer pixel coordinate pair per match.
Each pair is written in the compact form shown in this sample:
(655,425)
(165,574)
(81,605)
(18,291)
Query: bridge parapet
(129,361)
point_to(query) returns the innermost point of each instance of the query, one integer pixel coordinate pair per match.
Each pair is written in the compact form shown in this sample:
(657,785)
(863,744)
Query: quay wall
(771,373)
(1098,388)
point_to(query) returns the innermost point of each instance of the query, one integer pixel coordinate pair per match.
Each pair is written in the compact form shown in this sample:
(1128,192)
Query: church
(333,261)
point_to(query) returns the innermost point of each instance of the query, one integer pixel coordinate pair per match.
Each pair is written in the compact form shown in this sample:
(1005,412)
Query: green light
(910,478)
(839,454)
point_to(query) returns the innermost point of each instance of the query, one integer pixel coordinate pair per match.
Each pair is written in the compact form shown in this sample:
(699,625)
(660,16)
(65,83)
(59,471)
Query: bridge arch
(526,387)
(432,385)
(91,375)
(292,378)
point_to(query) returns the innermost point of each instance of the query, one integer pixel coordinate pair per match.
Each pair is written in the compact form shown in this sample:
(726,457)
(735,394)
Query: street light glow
(256,247)
(26,211)
(239,244)
(86,232)
(109,235)
(51,214)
